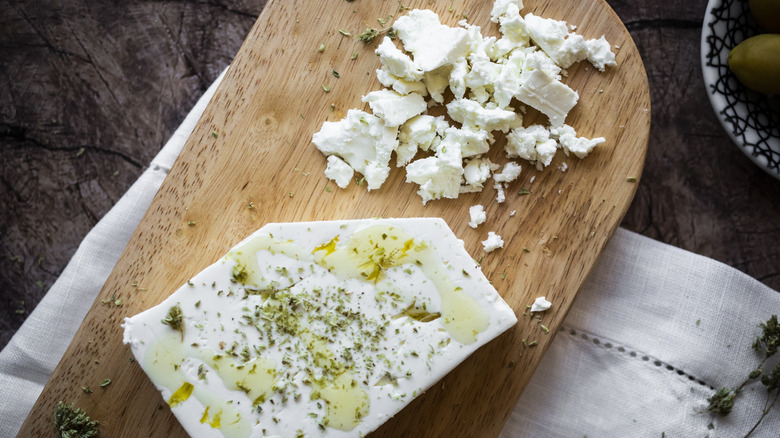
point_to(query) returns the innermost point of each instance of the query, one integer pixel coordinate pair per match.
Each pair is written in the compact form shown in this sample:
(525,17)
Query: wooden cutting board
(250,161)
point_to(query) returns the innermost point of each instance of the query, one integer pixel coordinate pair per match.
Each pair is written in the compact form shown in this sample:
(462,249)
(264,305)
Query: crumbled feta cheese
(475,173)
(397,62)
(540,305)
(599,53)
(417,133)
(432,43)
(510,173)
(436,82)
(473,115)
(460,69)
(438,176)
(533,60)
(339,171)
(477,215)
(399,85)
(501,7)
(507,84)
(566,48)
(547,33)
(579,146)
(472,141)
(394,108)
(548,95)
(484,75)
(359,139)
(573,49)
(514,30)
(533,144)
(500,194)
(493,242)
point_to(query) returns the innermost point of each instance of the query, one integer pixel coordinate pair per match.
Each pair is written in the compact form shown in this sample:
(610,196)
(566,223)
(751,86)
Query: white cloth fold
(651,333)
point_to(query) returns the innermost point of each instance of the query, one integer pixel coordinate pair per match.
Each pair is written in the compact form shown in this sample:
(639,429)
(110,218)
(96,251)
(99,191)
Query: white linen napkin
(653,332)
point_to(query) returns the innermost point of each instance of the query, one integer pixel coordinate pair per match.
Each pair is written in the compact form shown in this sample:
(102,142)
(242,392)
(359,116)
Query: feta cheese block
(317,329)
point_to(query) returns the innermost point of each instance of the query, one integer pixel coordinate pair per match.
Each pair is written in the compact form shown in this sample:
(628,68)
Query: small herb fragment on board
(523,192)
(335,74)
(105,383)
(368,35)
(344,32)
(354,55)
(326,88)
(73,423)
(214,134)
(321,48)
(631,179)
(80,152)
(175,319)
(86,389)
(191,223)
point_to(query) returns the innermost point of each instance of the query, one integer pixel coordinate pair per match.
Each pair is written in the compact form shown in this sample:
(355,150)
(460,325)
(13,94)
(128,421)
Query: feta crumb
(512,213)
(339,171)
(510,173)
(540,305)
(579,146)
(599,53)
(473,115)
(417,133)
(471,141)
(394,108)
(436,82)
(500,8)
(500,194)
(359,139)
(477,215)
(475,173)
(493,242)
(399,85)
(438,176)
(548,95)
(432,43)
(547,33)
(397,62)
(460,68)
(514,30)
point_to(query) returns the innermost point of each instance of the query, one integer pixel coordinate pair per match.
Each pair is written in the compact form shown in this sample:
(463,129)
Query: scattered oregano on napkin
(723,400)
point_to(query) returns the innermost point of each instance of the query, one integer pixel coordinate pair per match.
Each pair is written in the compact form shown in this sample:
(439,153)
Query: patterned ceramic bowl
(751,119)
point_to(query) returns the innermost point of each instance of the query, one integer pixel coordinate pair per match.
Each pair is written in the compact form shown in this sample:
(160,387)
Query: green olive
(756,63)
(767,14)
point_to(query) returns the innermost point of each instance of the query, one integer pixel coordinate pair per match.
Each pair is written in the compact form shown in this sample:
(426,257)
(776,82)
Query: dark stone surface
(91,90)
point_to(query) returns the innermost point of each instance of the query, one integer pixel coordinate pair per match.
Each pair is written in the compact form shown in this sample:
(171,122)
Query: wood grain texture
(253,144)
(698,191)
